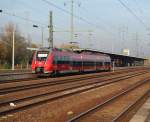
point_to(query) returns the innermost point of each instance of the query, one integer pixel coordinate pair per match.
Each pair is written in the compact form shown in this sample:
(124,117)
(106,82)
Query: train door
(71,63)
(55,64)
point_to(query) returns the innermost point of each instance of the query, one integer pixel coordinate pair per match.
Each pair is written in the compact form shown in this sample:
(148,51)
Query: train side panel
(61,61)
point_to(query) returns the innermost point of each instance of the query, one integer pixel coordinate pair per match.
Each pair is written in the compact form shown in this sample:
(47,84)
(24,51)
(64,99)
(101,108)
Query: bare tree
(21,52)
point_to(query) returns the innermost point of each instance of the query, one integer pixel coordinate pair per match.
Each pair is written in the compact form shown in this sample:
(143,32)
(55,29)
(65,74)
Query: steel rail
(35,76)
(39,99)
(39,85)
(130,107)
(108,100)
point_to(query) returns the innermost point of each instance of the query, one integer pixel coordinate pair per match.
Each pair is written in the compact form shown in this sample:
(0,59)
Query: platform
(143,114)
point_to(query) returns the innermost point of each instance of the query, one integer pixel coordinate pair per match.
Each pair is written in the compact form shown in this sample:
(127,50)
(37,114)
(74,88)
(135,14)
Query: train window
(88,63)
(107,63)
(42,55)
(77,63)
(61,60)
(99,63)
(74,63)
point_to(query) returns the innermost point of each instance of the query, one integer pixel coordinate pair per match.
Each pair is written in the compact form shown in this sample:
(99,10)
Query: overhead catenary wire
(21,17)
(33,9)
(77,17)
(82,19)
(107,25)
(139,8)
(33,22)
(64,10)
(133,14)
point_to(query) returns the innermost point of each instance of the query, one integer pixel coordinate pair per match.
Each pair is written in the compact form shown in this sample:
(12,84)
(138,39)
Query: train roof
(76,51)
(107,53)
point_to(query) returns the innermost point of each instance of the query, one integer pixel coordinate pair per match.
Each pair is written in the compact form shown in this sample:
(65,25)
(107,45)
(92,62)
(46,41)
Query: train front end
(42,62)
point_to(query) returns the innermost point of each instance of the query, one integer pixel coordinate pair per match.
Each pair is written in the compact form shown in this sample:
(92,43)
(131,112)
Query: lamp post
(13,50)
(13,46)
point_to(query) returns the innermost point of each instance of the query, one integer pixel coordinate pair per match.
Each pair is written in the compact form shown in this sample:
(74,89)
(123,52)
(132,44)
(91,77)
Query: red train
(57,61)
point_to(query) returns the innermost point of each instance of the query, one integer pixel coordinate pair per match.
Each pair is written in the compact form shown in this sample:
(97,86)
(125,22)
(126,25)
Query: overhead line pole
(51,30)
(71,23)
(42,37)
(137,45)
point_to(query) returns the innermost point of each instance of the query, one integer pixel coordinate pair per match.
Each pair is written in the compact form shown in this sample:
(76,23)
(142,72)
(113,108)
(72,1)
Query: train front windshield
(42,55)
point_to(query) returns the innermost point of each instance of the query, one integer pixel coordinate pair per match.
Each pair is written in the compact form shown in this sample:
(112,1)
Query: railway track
(26,76)
(30,101)
(93,113)
(124,114)
(11,87)
(73,83)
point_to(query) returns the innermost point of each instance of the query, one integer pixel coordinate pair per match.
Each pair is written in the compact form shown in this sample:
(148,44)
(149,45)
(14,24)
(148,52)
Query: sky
(114,24)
